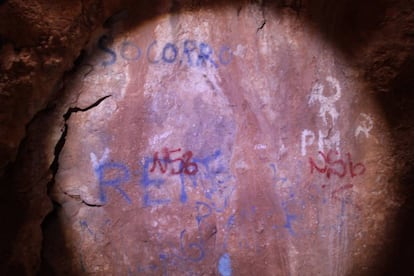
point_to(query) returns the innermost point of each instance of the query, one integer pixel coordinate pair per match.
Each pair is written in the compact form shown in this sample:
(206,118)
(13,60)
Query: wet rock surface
(208,138)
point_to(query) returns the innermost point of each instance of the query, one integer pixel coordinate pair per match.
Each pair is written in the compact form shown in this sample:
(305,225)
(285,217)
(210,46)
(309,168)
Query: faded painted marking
(94,159)
(260,146)
(224,266)
(308,137)
(120,175)
(366,125)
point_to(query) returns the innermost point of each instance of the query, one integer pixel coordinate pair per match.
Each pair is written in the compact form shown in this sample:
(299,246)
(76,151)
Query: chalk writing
(283,182)
(330,140)
(214,177)
(181,258)
(327,102)
(341,194)
(307,139)
(120,175)
(208,174)
(102,44)
(241,222)
(224,265)
(205,54)
(229,225)
(110,174)
(149,183)
(146,269)
(130,51)
(195,53)
(365,127)
(84,225)
(189,46)
(276,177)
(203,211)
(194,252)
(289,217)
(294,197)
(340,189)
(225,55)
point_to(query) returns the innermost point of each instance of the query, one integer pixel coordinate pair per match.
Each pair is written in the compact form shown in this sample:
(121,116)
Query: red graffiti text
(179,165)
(336,166)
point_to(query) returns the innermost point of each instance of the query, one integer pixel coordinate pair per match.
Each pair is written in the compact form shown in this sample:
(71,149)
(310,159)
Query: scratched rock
(214,139)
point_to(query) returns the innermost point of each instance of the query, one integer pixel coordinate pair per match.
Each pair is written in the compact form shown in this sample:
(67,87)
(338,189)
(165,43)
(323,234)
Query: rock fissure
(78,109)
(261,26)
(263,20)
(54,167)
(79,199)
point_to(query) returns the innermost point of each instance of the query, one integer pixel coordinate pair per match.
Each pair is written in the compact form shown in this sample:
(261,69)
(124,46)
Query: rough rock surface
(207,137)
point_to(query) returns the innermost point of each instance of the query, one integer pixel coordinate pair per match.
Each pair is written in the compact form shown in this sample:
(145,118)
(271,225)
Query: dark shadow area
(348,25)
(12,212)
(55,250)
(398,107)
(19,193)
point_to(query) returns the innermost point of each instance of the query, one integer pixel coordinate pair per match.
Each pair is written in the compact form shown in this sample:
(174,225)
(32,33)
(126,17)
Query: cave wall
(206,137)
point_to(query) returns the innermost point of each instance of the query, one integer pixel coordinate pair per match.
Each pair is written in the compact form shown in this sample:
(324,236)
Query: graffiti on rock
(190,52)
(327,103)
(207,174)
(110,174)
(184,163)
(336,166)
(224,265)
(365,126)
(329,140)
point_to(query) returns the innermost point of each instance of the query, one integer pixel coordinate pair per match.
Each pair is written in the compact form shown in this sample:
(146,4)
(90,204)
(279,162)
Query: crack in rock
(261,26)
(263,22)
(61,142)
(54,167)
(79,199)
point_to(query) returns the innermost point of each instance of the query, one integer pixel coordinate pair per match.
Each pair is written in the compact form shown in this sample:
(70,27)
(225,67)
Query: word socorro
(191,51)
(338,167)
(207,173)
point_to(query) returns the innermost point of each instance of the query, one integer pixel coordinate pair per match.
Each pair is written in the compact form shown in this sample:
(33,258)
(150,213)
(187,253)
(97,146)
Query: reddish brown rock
(212,149)
(222,139)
